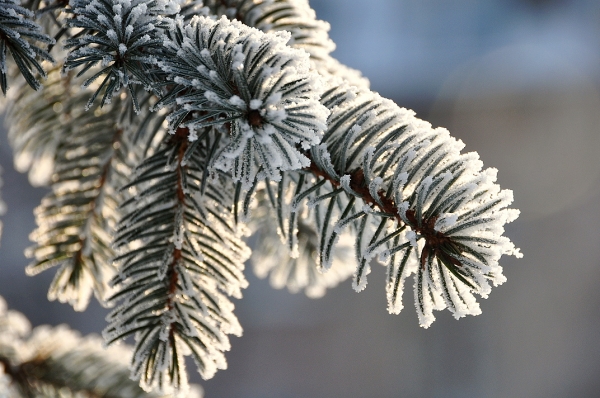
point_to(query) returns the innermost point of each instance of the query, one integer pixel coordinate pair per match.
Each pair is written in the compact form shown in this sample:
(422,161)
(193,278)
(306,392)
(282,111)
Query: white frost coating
(128,31)
(411,236)
(275,107)
(451,207)
(112,35)
(193,135)
(345,183)
(186,278)
(374,186)
(359,286)
(397,273)
(63,353)
(210,95)
(424,303)
(445,221)
(255,104)
(237,101)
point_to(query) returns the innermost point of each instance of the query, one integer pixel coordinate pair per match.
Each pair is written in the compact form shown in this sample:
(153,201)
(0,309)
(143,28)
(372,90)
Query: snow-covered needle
(259,91)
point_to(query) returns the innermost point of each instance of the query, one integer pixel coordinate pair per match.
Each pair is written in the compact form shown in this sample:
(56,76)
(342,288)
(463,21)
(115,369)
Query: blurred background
(519,82)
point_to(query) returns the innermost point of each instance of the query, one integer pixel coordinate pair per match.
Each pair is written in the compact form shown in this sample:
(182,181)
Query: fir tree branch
(181,257)
(77,219)
(123,37)
(259,92)
(17,34)
(58,362)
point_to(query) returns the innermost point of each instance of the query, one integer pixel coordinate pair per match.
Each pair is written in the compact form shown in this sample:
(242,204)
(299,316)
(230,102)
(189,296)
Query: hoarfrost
(275,110)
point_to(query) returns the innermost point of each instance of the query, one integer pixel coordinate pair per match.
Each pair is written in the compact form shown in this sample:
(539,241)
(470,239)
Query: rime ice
(434,212)
(261,88)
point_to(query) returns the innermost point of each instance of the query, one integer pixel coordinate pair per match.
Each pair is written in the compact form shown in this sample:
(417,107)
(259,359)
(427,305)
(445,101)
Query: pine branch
(17,34)
(181,257)
(123,37)
(257,91)
(58,362)
(297,18)
(287,248)
(424,207)
(77,219)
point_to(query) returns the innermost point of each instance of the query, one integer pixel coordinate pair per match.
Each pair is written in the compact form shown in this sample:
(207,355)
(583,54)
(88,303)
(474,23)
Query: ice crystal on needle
(261,91)
(176,300)
(245,119)
(438,214)
(121,36)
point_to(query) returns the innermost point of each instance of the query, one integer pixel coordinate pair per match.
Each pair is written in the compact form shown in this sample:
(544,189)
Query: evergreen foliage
(217,119)
(57,362)
(18,33)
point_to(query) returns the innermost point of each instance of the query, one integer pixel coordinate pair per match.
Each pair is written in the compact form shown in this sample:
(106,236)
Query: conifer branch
(418,195)
(181,256)
(58,362)
(249,84)
(17,34)
(123,37)
(265,122)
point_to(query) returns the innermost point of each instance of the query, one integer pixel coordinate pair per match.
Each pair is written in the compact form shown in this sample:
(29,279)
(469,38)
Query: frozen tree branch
(215,116)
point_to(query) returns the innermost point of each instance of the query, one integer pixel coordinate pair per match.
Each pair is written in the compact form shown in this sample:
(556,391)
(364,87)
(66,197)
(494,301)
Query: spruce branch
(18,33)
(297,18)
(260,119)
(122,37)
(181,257)
(38,122)
(291,257)
(259,92)
(424,207)
(56,361)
